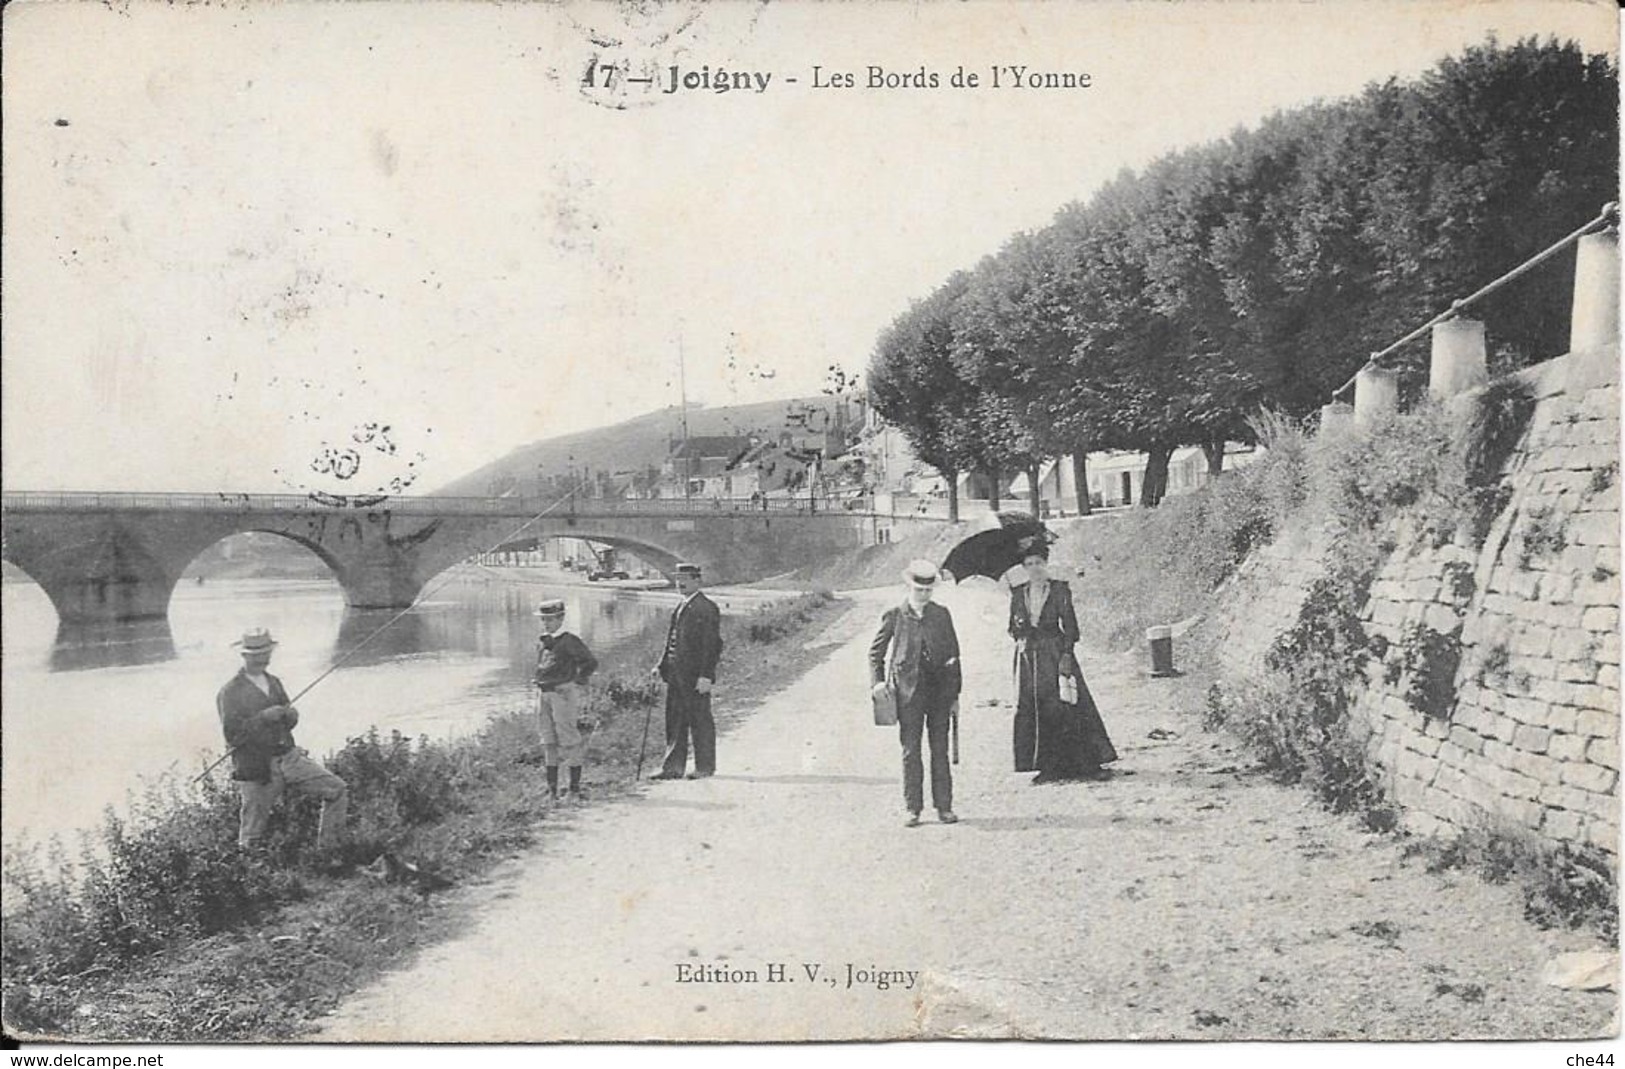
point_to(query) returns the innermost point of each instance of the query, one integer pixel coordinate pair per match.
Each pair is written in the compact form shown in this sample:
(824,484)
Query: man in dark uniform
(689,667)
(916,654)
(563,666)
(258,724)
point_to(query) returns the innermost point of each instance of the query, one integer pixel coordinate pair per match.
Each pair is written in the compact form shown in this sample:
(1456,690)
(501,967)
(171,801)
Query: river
(92,719)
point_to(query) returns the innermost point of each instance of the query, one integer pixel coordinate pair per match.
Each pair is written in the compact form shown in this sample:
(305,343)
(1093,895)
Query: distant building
(699,460)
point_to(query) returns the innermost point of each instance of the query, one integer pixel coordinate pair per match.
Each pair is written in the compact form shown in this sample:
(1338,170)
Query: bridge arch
(334,565)
(664,558)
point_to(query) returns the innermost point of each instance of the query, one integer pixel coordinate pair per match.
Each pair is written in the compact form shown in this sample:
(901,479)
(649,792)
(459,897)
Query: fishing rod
(387,624)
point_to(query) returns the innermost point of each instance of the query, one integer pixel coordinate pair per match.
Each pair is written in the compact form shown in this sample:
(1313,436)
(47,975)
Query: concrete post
(1376,394)
(1459,363)
(1336,417)
(1594,324)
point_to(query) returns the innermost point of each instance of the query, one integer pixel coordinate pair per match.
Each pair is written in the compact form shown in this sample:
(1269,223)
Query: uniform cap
(551,607)
(688,569)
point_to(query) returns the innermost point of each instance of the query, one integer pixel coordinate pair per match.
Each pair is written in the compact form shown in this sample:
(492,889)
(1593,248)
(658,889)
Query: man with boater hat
(563,666)
(916,655)
(689,667)
(258,724)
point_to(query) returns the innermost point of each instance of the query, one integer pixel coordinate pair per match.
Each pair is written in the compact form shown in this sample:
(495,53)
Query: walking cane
(953,736)
(644,745)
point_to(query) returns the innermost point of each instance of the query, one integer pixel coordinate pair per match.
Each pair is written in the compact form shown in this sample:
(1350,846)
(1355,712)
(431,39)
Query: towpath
(1185,898)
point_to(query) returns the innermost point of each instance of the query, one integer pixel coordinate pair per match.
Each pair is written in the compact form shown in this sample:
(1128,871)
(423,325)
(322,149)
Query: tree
(913,384)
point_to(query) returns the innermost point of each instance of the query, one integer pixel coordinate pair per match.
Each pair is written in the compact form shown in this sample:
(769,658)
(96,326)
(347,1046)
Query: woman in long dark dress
(1057,732)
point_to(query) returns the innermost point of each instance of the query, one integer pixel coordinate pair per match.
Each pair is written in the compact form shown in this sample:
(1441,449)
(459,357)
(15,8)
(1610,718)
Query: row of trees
(1261,271)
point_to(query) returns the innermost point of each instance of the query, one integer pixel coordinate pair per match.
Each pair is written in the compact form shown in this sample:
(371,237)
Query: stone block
(1563,797)
(1562,824)
(1515,784)
(1602,805)
(1496,752)
(1494,703)
(1603,753)
(1557,586)
(1469,717)
(1589,591)
(1592,698)
(1604,835)
(1593,529)
(1588,777)
(1563,718)
(1551,692)
(1578,671)
(1601,618)
(1531,640)
(1567,747)
(1441,618)
(1502,728)
(1598,723)
(1538,767)
(1608,649)
(1387,614)
(1574,645)
(1524,585)
(1608,676)
(1522,812)
(1531,739)
(1416,767)
(1463,742)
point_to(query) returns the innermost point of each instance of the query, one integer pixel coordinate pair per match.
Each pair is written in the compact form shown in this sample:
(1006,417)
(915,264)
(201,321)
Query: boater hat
(921,573)
(258,640)
(551,607)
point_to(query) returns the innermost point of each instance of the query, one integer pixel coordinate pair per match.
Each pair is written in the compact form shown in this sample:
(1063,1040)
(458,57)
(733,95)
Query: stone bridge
(114,556)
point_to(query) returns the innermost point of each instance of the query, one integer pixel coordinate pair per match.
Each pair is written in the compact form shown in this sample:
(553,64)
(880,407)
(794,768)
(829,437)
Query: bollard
(1162,650)
(1376,394)
(1459,362)
(1594,320)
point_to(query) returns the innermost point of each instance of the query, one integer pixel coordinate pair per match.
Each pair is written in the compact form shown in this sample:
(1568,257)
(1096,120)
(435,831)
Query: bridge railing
(99,501)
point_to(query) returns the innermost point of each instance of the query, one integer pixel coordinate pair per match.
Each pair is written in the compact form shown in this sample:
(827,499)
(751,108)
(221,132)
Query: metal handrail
(1610,212)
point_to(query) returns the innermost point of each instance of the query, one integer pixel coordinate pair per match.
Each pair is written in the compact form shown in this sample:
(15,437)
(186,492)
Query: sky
(244,240)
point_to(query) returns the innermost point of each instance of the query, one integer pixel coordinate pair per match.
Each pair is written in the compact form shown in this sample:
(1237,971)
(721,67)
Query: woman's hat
(551,607)
(258,640)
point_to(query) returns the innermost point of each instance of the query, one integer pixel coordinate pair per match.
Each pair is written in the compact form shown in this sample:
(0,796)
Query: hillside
(637,443)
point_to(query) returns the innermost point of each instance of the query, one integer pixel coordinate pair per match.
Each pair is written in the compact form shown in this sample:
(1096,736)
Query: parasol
(994,552)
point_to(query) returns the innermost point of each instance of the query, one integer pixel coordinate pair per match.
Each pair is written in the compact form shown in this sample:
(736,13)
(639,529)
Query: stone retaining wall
(1532,736)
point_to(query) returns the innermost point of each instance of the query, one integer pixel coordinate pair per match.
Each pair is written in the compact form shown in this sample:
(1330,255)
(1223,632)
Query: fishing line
(446,578)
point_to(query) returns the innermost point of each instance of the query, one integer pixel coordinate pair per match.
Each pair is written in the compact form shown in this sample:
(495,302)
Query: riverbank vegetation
(159,928)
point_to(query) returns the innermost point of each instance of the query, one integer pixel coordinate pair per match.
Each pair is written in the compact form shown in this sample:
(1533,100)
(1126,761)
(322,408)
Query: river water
(91,719)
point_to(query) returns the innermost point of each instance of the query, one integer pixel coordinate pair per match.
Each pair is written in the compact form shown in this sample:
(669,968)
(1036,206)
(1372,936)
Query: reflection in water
(89,714)
(361,642)
(108,645)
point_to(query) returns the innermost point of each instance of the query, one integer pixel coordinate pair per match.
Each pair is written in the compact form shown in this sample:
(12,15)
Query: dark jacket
(927,651)
(258,726)
(1057,620)
(563,658)
(693,643)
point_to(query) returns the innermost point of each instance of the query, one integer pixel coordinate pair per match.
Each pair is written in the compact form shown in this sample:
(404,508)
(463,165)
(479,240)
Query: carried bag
(885,706)
(1069,690)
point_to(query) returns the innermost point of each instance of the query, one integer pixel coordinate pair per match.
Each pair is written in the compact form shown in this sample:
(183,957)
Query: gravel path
(1185,898)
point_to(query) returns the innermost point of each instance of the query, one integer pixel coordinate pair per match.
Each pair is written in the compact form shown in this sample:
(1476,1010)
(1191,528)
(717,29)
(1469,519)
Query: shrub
(1431,659)
(1545,534)
(1496,422)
